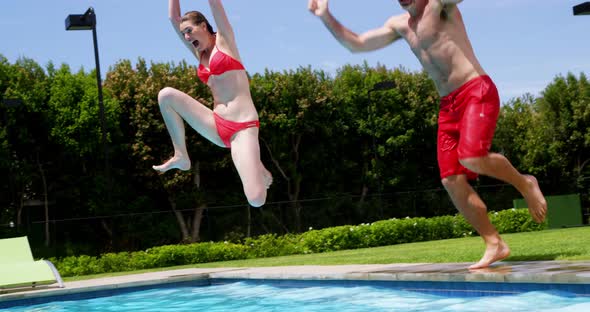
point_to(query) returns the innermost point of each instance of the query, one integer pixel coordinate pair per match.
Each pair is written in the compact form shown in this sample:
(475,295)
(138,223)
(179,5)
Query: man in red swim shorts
(466,124)
(435,32)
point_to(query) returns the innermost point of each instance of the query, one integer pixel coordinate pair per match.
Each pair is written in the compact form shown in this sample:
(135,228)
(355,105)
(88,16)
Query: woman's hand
(318,7)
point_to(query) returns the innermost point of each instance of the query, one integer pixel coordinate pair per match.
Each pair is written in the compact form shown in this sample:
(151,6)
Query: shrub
(380,233)
(441,227)
(78,265)
(271,245)
(515,221)
(116,262)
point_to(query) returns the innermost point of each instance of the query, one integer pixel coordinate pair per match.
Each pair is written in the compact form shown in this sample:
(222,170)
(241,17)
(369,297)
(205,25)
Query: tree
(25,135)
(513,129)
(565,119)
(137,90)
(299,127)
(397,130)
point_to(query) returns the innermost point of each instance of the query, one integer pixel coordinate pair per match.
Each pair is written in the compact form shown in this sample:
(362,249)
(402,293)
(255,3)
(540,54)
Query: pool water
(244,296)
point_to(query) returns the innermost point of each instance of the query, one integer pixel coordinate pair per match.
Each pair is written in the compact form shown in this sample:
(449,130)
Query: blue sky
(522,44)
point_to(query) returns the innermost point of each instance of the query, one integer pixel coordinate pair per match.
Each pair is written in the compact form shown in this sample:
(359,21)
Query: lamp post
(87,21)
(379,86)
(582,9)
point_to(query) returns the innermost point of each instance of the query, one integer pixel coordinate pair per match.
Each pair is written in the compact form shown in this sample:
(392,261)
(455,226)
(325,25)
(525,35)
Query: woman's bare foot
(492,254)
(535,200)
(267,178)
(175,162)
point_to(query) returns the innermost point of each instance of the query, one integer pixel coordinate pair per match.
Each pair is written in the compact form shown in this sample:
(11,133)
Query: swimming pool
(285,295)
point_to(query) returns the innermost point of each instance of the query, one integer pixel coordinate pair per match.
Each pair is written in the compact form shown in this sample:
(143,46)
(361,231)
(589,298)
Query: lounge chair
(19,269)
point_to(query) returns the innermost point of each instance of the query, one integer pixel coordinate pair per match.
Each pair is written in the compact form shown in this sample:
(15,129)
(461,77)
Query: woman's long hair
(197,18)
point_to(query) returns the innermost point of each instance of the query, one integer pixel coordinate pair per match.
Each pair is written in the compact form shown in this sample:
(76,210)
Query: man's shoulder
(398,22)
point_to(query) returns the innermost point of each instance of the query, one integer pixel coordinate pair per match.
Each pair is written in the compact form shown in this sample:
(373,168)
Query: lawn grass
(562,244)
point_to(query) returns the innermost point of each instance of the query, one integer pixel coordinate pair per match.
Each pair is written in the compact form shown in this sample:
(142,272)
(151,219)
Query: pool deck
(548,272)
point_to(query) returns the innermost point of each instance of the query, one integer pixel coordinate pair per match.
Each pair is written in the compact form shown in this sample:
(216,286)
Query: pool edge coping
(421,272)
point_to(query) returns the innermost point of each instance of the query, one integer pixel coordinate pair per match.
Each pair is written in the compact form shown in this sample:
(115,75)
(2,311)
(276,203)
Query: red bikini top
(218,64)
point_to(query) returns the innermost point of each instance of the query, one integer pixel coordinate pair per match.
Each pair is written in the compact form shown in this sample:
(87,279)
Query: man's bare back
(438,38)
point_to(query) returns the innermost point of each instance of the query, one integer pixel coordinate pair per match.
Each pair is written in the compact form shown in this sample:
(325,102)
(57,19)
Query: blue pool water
(257,297)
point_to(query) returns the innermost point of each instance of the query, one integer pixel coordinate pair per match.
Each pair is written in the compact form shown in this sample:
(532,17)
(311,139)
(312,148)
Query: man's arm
(446,6)
(368,41)
(450,3)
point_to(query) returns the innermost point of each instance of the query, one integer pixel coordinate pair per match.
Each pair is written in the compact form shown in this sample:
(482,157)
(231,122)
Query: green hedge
(380,233)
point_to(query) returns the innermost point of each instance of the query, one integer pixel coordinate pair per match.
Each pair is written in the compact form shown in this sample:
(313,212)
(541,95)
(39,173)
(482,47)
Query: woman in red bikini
(233,122)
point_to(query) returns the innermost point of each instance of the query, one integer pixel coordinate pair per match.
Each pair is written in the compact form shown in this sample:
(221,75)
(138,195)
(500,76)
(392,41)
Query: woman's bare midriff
(231,96)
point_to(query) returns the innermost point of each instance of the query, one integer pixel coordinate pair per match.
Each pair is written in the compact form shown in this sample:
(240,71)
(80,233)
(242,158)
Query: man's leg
(454,176)
(499,167)
(468,202)
(478,125)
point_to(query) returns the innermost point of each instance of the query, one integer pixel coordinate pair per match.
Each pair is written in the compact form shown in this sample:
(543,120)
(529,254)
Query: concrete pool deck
(542,272)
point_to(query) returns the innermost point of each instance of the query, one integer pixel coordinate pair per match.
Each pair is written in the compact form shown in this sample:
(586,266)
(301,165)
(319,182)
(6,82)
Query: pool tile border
(575,273)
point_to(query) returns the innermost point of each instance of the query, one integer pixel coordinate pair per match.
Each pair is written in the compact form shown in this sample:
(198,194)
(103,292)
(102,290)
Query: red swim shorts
(227,128)
(466,125)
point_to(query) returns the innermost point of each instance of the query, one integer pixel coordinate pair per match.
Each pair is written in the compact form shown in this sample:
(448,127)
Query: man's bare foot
(492,254)
(267,178)
(535,200)
(175,162)
(502,269)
